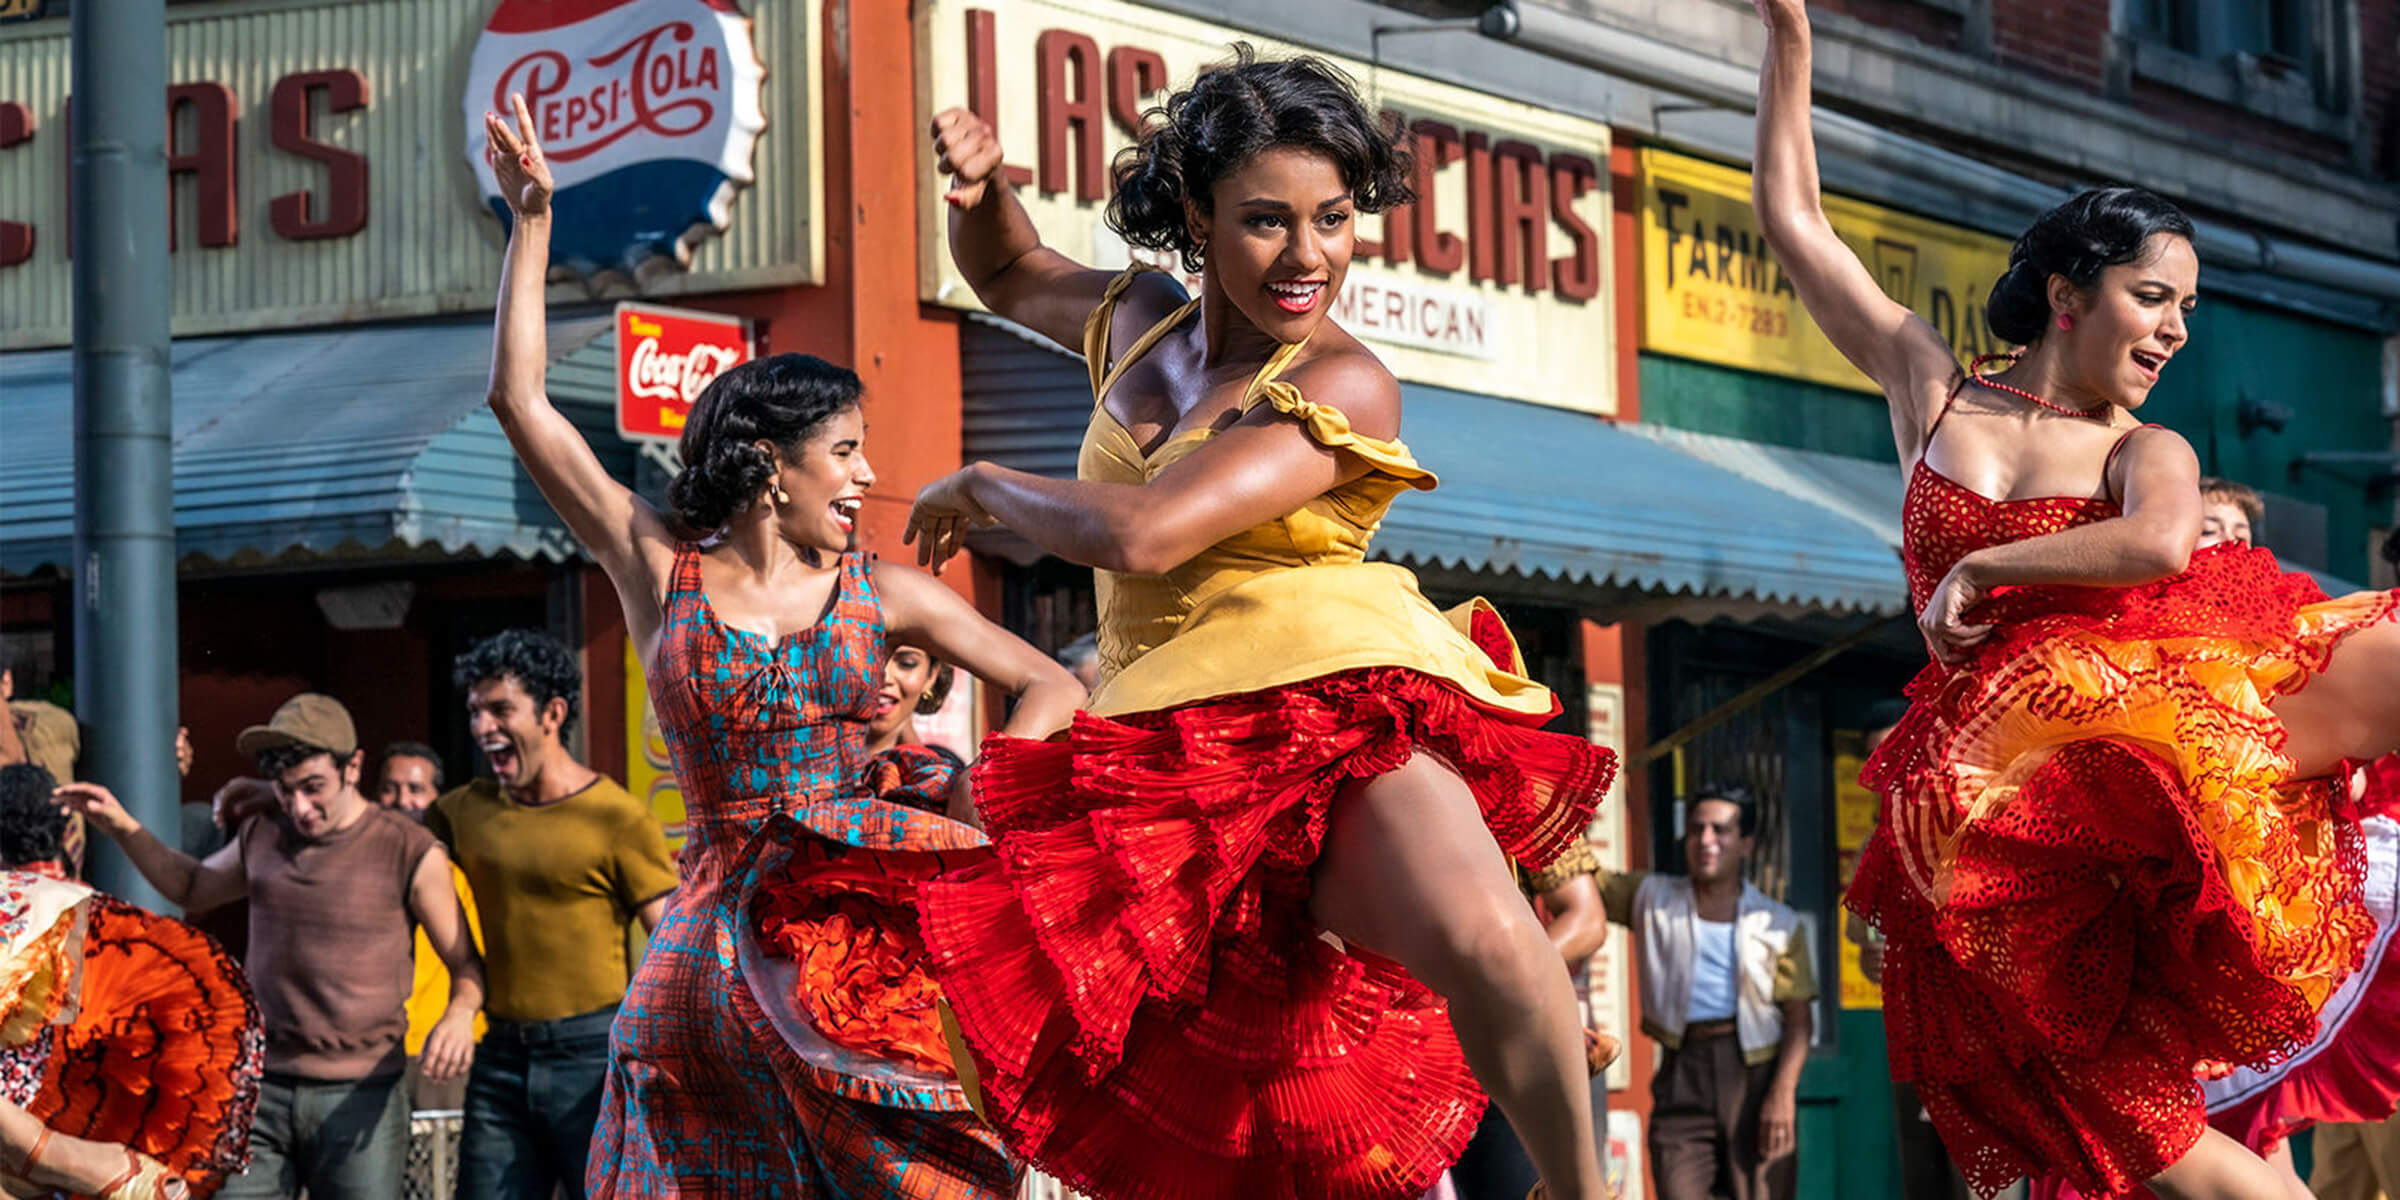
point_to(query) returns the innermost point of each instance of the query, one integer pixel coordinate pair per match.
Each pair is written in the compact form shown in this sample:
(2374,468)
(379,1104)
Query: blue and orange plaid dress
(719,1082)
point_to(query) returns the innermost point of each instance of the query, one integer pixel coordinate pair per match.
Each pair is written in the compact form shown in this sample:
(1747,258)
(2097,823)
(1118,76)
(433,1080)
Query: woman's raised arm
(621,531)
(1879,335)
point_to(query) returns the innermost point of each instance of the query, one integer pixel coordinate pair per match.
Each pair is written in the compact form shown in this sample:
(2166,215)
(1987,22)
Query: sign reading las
(1502,261)
(1711,289)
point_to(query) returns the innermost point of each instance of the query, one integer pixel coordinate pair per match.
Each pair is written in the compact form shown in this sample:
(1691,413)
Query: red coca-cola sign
(665,356)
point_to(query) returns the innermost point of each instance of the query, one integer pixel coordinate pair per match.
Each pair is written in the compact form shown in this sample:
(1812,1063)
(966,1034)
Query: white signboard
(1496,280)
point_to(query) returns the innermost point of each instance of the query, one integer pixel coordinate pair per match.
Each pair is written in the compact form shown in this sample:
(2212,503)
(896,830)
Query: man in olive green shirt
(561,860)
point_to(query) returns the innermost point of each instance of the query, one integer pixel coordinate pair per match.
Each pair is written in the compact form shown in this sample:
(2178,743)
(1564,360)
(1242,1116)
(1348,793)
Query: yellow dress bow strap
(1330,426)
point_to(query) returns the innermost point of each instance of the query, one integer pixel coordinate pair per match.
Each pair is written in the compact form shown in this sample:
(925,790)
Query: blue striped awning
(361,440)
(1528,490)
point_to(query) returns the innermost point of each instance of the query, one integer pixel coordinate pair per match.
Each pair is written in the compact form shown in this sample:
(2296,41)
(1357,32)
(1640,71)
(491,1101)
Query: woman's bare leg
(1409,871)
(2350,711)
(2280,1158)
(2219,1168)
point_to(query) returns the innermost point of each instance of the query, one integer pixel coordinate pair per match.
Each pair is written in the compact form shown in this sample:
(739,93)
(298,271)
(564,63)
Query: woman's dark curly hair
(33,828)
(2097,229)
(540,664)
(1232,111)
(780,399)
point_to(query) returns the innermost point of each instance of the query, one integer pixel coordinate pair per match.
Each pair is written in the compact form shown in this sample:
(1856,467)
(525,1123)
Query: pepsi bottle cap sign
(648,110)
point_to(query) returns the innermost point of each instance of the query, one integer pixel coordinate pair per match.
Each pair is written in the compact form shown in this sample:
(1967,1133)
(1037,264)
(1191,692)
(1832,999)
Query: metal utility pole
(125,652)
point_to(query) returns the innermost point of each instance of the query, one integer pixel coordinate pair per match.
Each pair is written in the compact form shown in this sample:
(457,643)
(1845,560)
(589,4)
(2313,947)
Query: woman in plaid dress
(779,1038)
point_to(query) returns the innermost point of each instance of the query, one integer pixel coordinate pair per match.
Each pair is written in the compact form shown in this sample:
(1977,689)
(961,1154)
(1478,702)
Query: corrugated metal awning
(1529,490)
(345,441)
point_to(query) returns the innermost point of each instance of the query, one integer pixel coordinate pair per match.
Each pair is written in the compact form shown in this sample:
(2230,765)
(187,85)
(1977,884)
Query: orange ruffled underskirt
(163,1054)
(2095,876)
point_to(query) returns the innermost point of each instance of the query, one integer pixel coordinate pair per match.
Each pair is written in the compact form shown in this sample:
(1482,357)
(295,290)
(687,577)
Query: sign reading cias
(1503,259)
(648,110)
(665,356)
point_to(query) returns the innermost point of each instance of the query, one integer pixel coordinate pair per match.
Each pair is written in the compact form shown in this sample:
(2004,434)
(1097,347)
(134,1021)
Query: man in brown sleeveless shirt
(336,886)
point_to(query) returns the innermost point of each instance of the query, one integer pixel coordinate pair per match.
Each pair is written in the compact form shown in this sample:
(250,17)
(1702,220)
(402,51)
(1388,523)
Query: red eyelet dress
(120,1025)
(1150,1008)
(2094,876)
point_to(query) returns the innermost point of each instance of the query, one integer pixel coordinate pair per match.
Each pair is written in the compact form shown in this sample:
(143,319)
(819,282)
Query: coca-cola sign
(648,110)
(665,356)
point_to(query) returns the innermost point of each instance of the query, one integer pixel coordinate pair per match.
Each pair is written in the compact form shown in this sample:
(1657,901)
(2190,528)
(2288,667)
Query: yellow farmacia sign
(1711,290)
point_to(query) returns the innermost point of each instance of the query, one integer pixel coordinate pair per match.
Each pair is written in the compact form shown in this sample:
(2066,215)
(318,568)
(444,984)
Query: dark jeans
(532,1100)
(343,1140)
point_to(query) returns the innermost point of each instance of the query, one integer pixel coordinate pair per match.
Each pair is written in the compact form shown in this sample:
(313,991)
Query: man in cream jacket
(1726,983)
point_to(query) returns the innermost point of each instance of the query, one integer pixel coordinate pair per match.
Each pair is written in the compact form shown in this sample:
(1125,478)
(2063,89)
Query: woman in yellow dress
(1231,919)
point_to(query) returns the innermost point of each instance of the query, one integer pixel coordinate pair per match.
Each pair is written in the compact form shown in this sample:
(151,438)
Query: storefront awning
(364,440)
(1526,489)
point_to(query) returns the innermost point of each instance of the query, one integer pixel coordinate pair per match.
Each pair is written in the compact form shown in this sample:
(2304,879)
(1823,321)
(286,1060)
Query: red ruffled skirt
(163,1054)
(2095,878)
(1132,965)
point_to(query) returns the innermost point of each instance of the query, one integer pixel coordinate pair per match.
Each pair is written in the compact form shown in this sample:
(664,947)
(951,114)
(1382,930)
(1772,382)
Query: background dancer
(2095,870)
(731,1075)
(130,1047)
(1287,741)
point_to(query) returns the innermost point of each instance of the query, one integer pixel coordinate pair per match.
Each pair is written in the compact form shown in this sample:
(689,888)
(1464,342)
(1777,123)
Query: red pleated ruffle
(166,1052)
(1152,1012)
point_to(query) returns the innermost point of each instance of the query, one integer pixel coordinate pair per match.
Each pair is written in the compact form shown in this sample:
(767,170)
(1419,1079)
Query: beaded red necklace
(1975,372)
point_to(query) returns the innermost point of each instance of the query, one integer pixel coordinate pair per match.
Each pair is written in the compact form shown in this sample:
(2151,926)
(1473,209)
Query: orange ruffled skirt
(2095,877)
(1133,967)
(163,1053)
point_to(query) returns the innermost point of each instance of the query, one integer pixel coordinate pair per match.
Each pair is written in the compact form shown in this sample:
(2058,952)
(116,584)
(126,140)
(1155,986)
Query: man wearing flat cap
(337,886)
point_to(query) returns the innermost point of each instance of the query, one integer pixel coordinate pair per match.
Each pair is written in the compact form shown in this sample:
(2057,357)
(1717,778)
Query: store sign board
(1856,809)
(648,111)
(1711,289)
(1608,978)
(1502,263)
(665,356)
(320,172)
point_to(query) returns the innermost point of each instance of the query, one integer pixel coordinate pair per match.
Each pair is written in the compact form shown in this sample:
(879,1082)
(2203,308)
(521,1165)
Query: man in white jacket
(1726,982)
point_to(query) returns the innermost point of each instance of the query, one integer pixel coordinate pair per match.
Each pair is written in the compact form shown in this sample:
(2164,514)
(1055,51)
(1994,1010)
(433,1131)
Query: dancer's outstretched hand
(944,512)
(516,158)
(970,154)
(1948,634)
(1781,13)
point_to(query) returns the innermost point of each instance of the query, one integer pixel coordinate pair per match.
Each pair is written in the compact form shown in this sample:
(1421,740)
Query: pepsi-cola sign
(648,110)
(665,356)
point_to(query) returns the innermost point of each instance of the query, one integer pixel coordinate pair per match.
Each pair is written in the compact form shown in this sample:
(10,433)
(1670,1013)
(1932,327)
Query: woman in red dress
(779,1039)
(1231,921)
(2105,862)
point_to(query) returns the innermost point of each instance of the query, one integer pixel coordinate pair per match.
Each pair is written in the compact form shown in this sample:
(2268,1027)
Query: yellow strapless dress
(1150,1010)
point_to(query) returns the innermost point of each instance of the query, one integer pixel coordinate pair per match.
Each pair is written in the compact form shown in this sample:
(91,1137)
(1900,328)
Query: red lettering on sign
(1480,256)
(1133,74)
(1523,215)
(16,237)
(209,161)
(1057,53)
(643,85)
(1438,145)
(1575,275)
(345,208)
(983,82)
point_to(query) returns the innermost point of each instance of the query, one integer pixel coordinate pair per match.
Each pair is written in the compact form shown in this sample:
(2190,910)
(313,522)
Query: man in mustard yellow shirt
(562,860)
(408,777)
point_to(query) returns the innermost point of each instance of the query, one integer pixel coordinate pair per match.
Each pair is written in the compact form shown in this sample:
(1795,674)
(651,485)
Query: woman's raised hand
(943,514)
(970,154)
(1781,14)
(516,159)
